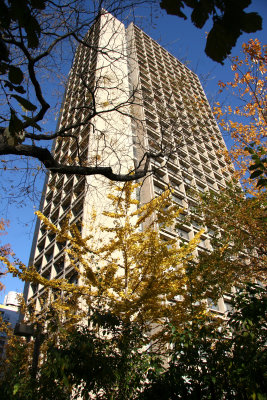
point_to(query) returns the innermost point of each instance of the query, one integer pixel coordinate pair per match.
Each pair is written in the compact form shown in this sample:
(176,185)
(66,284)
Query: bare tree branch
(52,165)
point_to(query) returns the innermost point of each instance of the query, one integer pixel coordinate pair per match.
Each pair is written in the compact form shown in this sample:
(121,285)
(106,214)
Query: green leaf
(4,50)
(250,22)
(250,150)
(200,14)
(255,174)
(31,122)
(39,4)
(261,396)
(15,388)
(19,89)
(173,7)
(15,124)
(33,32)
(254,166)
(220,41)
(25,103)
(262,182)
(15,75)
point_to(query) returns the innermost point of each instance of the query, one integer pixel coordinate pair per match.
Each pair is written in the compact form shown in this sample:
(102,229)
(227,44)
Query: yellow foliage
(248,85)
(136,273)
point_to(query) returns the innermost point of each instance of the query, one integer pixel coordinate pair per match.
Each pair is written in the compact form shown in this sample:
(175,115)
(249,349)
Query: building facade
(127,95)
(9,312)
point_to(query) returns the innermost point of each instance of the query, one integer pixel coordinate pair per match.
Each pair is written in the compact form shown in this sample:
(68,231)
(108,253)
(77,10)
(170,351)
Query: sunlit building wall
(158,106)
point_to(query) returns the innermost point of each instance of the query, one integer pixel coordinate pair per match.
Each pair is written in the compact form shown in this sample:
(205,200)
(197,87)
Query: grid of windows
(176,118)
(66,194)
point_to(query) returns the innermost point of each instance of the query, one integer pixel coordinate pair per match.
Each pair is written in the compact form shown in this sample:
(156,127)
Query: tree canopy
(123,265)
(236,225)
(135,297)
(246,120)
(212,361)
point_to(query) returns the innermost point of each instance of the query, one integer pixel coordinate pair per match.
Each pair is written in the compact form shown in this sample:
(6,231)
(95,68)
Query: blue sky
(185,42)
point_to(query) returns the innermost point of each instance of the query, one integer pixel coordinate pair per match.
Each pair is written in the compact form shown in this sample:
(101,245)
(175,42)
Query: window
(73,279)
(49,256)
(177,200)
(41,246)
(59,265)
(212,305)
(228,306)
(182,233)
(34,288)
(201,188)
(202,243)
(158,190)
(38,265)
(196,224)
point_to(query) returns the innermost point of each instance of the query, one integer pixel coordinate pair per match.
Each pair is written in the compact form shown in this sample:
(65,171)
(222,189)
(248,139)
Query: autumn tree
(246,122)
(141,289)
(236,226)
(127,267)
(5,249)
(208,362)
(128,278)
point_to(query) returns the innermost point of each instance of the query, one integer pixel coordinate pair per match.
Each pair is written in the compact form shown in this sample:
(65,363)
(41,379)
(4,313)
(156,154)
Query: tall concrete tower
(126,96)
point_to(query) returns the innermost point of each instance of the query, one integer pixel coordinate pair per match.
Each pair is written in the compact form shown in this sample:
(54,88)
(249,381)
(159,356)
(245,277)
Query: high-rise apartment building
(127,95)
